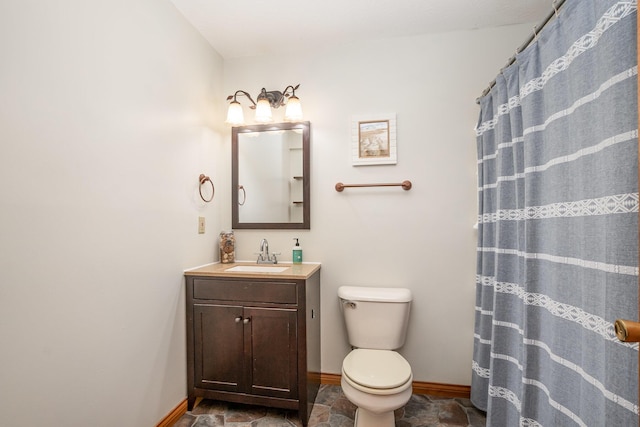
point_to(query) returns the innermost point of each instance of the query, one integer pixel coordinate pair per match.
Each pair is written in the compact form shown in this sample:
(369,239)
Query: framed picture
(374,140)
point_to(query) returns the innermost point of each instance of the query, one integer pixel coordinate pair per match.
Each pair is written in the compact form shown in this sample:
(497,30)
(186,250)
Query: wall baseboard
(173,416)
(419,387)
(442,390)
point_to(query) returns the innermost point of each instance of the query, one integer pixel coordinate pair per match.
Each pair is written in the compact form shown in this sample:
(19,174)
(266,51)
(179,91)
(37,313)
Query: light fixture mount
(275,99)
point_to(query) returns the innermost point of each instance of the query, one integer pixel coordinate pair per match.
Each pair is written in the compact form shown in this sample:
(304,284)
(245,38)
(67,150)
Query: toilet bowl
(378,382)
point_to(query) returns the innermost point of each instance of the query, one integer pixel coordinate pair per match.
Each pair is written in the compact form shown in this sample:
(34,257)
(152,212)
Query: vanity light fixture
(265,102)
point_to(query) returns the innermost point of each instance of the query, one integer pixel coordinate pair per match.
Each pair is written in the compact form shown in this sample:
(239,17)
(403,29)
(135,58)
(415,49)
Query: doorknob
(627,330)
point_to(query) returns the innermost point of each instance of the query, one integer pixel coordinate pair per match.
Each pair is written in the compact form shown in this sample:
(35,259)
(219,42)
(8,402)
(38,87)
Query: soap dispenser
(297,252)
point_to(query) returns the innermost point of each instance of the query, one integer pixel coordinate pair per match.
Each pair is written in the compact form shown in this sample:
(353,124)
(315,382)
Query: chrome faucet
(264,249)
(263,256)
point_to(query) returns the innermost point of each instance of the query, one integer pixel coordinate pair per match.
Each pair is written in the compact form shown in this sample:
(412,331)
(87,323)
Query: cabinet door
(218,342)
(271,340)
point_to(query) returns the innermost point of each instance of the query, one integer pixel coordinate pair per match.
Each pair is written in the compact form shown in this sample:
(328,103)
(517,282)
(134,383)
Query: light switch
(200,225)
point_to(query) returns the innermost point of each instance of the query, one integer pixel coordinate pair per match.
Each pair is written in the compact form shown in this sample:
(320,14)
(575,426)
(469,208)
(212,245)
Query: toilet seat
(377,371)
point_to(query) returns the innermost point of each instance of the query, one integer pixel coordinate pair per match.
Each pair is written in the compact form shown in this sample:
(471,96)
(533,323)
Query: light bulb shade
(263,111)
(235,115)
(293,111)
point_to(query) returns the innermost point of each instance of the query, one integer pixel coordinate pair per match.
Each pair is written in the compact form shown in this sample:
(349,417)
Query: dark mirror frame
(306,177)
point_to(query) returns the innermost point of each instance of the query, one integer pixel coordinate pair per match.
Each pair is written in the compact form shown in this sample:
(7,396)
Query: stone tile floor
(332,409)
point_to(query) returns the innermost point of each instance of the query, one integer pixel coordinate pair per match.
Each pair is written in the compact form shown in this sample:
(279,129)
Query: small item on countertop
(297,252)
(227,247)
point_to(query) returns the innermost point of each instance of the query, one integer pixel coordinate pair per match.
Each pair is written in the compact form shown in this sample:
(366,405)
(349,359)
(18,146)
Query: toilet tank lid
(363,293)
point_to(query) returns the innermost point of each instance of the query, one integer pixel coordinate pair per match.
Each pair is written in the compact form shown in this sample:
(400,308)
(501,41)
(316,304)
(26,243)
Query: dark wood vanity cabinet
(254,340)
(246,350)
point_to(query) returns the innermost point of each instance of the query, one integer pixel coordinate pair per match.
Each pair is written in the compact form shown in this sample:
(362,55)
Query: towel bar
(406,185)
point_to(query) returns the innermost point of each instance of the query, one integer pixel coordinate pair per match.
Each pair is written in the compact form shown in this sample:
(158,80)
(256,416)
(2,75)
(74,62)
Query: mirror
(270,176)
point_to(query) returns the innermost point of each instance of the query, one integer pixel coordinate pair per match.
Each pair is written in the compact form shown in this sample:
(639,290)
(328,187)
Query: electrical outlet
(200,225)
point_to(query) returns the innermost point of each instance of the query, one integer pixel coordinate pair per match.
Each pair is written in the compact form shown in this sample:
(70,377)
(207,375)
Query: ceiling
(237,28)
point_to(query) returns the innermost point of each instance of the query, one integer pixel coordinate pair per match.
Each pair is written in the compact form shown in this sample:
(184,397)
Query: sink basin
(255,269)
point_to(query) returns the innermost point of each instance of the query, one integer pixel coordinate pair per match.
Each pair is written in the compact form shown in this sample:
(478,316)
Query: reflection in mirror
(270,176)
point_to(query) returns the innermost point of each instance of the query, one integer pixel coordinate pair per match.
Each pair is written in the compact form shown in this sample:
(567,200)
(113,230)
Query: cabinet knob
(247,320)
(238,319)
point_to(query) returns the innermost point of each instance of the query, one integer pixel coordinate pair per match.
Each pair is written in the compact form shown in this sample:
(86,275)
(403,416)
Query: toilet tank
(376,318)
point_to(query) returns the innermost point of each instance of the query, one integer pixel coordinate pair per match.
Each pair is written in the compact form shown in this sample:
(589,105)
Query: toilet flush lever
(349,304)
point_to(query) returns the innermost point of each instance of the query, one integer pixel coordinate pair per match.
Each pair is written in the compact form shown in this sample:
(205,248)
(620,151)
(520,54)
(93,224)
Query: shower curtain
(557,249)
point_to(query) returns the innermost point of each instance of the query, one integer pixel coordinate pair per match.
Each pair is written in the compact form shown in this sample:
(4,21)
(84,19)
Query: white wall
(109,111)
(108,114)
(421,239)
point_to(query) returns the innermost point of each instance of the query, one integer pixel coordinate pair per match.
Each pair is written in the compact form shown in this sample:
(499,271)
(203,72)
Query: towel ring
(244,195)
(202,180)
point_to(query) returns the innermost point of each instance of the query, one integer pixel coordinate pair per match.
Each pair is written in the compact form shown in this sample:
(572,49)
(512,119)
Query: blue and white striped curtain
(558,226)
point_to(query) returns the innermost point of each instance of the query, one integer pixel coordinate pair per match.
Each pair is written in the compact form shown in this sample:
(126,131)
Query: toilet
(376,378)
